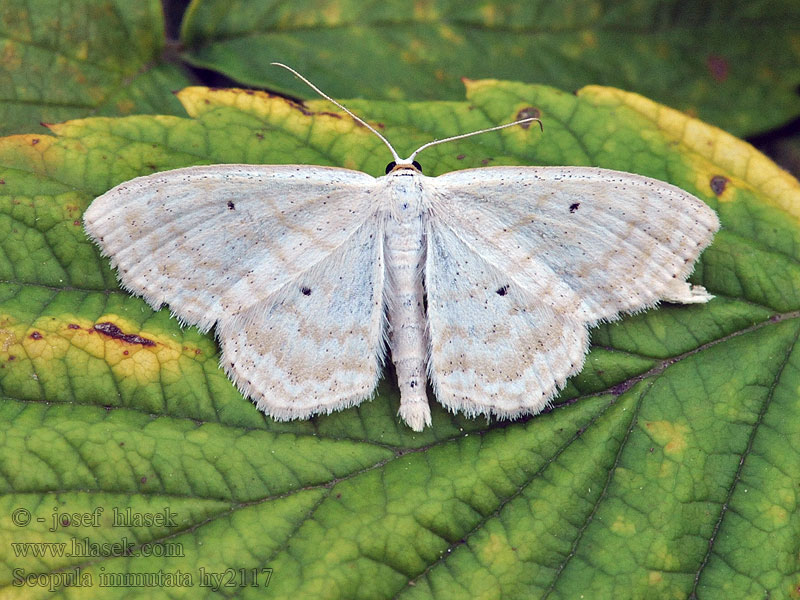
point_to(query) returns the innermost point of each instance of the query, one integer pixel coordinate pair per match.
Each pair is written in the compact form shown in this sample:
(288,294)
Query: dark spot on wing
(231,205)
(305,291)
(115,332)
(502,291)
(574,207)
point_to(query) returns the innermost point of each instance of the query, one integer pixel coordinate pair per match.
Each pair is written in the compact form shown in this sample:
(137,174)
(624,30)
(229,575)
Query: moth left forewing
(609,241)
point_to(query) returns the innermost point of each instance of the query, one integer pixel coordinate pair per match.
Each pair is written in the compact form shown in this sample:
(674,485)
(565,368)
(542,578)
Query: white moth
(484,281)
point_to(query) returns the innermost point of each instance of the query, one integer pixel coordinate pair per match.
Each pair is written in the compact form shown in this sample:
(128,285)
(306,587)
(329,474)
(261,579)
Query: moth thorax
(405,195)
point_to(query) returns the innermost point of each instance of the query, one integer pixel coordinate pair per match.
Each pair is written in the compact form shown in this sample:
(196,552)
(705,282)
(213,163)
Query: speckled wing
(317,345)
(495,349)
(286,260)
(522,260)
(215,240)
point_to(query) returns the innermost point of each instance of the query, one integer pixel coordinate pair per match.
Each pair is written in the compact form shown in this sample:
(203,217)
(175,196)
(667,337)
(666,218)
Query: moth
(483,282)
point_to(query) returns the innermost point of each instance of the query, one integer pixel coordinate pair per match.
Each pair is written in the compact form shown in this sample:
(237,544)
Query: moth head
(403,166)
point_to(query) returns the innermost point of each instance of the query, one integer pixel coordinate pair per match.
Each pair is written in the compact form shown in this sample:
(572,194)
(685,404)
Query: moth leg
(680,292)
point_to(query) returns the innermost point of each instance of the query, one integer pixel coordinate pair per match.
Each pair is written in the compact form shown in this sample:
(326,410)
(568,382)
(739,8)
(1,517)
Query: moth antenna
(397,159)
(471,133)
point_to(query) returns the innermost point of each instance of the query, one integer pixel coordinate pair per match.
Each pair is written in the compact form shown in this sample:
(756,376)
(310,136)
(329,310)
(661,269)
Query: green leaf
(74,58)
(667,467)
(735,64)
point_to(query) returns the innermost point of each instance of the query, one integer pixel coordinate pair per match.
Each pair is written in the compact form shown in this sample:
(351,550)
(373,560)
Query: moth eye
(390,166)
(417,166)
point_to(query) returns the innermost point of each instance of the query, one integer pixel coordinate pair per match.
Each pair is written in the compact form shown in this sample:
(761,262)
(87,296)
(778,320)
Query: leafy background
(668,468)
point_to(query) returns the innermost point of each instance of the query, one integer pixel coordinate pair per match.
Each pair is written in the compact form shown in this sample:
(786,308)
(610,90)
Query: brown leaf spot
(718,67)
(36,335)
(527,113)
(623,387)
(73,326)
(34,141)
(461,157)
(2,181)
(77,223)
(115,332)
(718,184)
